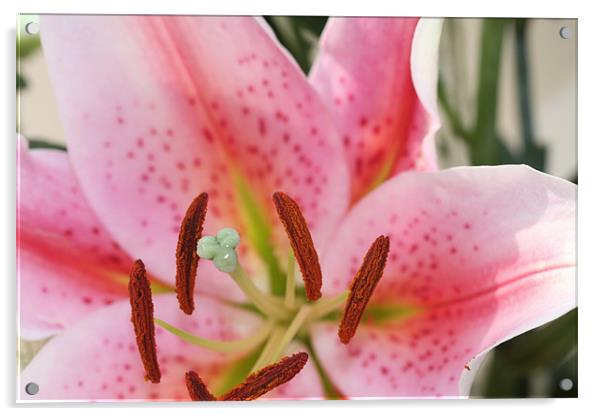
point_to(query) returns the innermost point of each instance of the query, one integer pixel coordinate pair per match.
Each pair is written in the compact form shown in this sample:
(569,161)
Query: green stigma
(226,260)
(220,249)
(228,238)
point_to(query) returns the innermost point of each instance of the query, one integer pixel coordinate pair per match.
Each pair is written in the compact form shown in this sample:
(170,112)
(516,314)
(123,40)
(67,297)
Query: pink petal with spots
(97,358)
(478,255)
(159,109)
(68,264)
(364,75)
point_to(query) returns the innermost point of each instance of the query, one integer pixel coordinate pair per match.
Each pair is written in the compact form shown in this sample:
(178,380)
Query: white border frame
(589,204)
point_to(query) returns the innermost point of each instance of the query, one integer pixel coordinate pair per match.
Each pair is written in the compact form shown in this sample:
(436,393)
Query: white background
(589,202)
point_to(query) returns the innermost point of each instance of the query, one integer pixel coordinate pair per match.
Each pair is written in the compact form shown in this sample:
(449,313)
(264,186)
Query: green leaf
(27,44)
(453,117)
(330,390)
(300,35)
(38,143)
(543,352)
(544,347)
(484,146)
(533,153)
(21,82)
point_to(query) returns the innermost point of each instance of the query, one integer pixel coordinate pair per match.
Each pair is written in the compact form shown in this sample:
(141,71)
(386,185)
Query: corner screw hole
(32,389)
(32,28)
(565,32)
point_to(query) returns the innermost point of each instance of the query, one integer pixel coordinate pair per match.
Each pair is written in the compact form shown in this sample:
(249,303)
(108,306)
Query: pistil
(267,304)
(221,250)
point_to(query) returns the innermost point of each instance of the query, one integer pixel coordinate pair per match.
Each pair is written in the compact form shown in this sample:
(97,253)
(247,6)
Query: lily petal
(67,263)
(97,358)
(158,109)
(478,255)
(305,386)
(374,76)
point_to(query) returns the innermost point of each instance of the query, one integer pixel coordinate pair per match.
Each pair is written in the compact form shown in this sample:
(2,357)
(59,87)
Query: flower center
(286,317)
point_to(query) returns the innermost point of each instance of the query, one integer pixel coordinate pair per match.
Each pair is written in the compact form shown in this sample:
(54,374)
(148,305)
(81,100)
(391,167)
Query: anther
(197,389)
(300,239)
(363,286)
(186,257)
(142,317)
(268,378)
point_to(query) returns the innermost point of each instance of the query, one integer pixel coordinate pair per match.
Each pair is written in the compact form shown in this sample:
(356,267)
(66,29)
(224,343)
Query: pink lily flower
(157,110)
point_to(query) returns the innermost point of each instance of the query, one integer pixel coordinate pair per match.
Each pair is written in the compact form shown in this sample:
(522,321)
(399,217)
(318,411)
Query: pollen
(268,378)
(301,242)
(197,389)
(363,286)
(142,318)
(187,258)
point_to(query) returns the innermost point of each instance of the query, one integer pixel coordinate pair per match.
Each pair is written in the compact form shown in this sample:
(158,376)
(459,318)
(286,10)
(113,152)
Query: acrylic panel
(291,208)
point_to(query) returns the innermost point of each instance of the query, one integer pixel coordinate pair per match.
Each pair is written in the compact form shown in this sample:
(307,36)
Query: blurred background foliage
(541,362)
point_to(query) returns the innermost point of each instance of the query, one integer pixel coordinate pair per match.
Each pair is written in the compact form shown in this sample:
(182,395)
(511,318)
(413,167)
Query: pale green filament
(291,332)
(267,304)
(289,295)
(326,306)
(223,346)
(268,350)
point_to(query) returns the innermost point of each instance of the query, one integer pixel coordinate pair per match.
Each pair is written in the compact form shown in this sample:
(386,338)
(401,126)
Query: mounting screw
(32,389)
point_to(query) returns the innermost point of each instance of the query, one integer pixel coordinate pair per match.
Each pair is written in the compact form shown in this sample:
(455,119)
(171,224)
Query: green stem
(330,390)
(222,346)
(268,350)
(267,304)
(484,146)
(453,117)
(523,82)
(533,154)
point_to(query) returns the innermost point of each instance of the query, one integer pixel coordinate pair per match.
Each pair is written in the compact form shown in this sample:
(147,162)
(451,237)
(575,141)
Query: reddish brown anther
(302,244)
(197,389)
(187,259)
(142,318)
(363,286)
(268,378)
